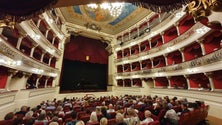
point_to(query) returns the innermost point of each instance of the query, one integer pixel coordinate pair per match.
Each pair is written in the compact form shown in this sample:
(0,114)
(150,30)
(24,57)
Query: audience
(136,110)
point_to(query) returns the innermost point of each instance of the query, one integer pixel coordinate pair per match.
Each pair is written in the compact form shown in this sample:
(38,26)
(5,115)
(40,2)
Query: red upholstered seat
(92,123)
(154,117)
(85,118)
(6,122)
(111,121)
(112,115)
(39,123)
(154,123)
(184,119)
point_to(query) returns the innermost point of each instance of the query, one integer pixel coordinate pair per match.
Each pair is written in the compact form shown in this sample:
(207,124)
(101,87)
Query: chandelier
(106,9)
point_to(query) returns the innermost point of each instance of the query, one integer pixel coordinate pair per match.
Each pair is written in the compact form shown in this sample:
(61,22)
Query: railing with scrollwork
(10,55)
(176,43)
(205,63)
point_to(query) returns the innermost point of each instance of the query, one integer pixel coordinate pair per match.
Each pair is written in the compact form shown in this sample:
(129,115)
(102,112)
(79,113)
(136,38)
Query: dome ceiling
(101,20)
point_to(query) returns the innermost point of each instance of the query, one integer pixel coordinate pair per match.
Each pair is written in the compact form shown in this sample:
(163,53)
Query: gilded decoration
(200,9)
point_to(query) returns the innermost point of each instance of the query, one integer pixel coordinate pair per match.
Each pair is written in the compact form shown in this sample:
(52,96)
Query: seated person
(93,118)
(171,115)
(120,119)
(74,119)
(184,109)
(111,109)
(103,121)
(148,119)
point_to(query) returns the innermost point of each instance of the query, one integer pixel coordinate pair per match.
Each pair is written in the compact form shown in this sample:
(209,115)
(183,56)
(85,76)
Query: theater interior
(68,49)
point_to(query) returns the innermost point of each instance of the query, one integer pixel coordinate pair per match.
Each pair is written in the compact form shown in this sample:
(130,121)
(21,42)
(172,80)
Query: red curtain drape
(80,47)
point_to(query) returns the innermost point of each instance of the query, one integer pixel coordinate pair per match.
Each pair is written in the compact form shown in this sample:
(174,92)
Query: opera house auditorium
(109,62)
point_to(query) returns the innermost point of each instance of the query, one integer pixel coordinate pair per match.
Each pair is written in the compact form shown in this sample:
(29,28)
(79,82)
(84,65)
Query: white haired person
(93,118)
(147,119)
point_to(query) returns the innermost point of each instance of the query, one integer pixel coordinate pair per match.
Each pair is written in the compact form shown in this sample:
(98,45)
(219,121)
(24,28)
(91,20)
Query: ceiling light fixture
(104,9)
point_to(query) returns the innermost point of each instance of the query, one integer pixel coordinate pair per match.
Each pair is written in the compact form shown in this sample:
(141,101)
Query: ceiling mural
(126,10)
(103,20)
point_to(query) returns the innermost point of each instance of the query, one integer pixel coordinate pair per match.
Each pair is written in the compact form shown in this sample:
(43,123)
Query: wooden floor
(214,120)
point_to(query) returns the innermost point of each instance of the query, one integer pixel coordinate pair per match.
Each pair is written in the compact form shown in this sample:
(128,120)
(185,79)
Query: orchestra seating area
(61,110)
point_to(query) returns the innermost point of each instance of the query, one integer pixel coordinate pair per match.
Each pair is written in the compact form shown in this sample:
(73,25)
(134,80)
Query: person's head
(9,116)
(110,106)
(98,109)
(24,108)
(147,114)
(53,123)
(119,118)
(41,117)
(29,114)
(131,111)
(103,121)
(80,122)
(183,106)
(93,117)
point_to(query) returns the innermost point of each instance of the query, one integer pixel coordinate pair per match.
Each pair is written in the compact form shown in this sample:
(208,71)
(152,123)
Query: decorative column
(46,81)
(162,36)
(123,83)
(50,59)
(188,81)
(37,81)
(154,82)
(131,82)
(159,17)
(139,47)
(169,81)
(209,76)
(149,40)
(42,56)
(151,59)
(21,36)
(182,54)
(11,72)
(140,62)
(165,57)
(202,46)
(53,40)
(177,27)
(131,67)
(32,50)
(130,51)
(46,33)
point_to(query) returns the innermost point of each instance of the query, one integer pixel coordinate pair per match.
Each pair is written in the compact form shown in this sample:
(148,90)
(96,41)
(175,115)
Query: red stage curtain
(80,47)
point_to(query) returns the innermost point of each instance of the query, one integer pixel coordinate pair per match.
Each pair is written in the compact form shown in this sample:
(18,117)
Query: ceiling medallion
(92,26)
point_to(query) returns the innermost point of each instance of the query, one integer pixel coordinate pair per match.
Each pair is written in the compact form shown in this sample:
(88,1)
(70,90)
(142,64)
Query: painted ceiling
(82,16)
